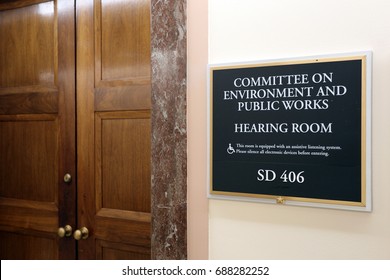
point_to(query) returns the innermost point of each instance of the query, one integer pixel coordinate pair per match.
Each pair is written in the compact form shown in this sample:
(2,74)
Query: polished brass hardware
(280,200)
(81,233)
(67,178)
(65,231)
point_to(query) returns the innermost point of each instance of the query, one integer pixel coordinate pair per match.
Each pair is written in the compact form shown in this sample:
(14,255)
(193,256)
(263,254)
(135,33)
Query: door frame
(169,131)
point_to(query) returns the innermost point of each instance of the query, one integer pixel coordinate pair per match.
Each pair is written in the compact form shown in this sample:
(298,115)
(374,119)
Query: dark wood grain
(37,128)
(114,146)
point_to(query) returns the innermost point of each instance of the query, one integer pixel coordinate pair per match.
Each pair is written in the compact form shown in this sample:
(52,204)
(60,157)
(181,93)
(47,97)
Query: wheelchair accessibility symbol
(230,149)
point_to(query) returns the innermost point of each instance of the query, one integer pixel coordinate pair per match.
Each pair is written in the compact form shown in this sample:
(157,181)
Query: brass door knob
(81,233)
(67,178)
(65,231)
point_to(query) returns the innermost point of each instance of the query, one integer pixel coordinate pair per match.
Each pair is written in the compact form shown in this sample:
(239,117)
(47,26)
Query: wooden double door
(75,129)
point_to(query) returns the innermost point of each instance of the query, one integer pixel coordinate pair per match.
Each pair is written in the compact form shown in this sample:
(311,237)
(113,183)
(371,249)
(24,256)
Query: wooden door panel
(122,165)
(28,247)
(28,61)
(122,41)
(123,227)
(37,129)
(123,160)
(122,97)
(28,100)
(29,157)
(28,216)
(114,251)
(29,53)
(114,119)
(122,58)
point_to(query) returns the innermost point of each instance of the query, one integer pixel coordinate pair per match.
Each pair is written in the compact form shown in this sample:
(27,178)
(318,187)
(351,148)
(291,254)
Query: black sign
(290,131)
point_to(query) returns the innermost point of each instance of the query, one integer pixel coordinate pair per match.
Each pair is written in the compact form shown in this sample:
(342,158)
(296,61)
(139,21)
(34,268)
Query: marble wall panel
(169,131)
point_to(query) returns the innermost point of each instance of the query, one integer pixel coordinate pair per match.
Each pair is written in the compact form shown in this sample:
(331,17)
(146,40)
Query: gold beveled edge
(290,198)
(287,62)
(211,129)
(363,130)
(278,198)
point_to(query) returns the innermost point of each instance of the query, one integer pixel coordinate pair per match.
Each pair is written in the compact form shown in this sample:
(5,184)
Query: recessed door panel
(29,157)
(19,246)
(122,40)
(28,37)
(118,251)
(123,143)
(29,60)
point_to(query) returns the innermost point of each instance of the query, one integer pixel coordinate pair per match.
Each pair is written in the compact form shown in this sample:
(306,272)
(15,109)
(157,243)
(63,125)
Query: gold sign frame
(366,194)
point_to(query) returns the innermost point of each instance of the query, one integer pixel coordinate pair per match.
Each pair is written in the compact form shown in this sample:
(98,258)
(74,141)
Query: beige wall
(247,30)
(197,41)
